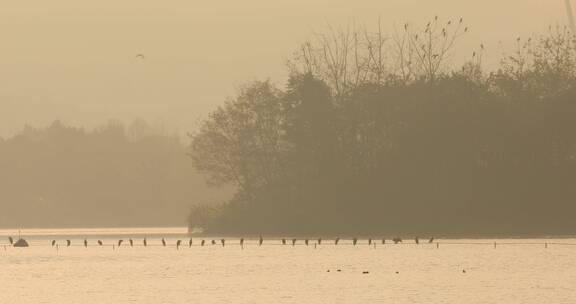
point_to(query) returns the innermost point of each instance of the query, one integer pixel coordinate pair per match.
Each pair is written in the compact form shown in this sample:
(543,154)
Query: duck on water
(19,243)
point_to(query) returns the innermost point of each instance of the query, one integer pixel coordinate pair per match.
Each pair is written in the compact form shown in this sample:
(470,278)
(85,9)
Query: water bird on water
(293,242)
(417,241)
(178,244)
(68,243)
(163,242)
(369,241)
(306,242)
(131,242)
(431,240)
(202,243)
(383,241)
(144,242)
(223,241)
(11,240)
(190,243)
(397,240)
(336,241)
(120,242)
(260,241)
(241,241)
(99,242)
(283,241)
(53,243)
(85,243)
(354,241)
(213,242)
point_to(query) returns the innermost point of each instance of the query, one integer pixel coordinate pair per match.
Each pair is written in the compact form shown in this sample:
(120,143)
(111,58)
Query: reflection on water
(457,272)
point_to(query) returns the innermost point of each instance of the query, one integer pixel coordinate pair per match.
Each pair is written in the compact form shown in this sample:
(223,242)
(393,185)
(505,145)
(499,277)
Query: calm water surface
(511,273)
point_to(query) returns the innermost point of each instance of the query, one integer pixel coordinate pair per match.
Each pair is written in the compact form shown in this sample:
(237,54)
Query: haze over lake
(272,273)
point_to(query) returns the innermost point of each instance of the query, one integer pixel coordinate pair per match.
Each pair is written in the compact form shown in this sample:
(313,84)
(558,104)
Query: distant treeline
(380,134)
(114,175)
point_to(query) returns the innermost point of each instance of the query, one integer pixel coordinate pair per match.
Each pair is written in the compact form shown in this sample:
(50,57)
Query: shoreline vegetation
(378,133)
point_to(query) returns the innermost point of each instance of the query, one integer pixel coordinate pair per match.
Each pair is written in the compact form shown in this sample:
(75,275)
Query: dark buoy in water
(21,243)
(463,270)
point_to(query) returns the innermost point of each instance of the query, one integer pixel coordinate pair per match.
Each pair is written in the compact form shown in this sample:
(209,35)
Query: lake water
(459,271)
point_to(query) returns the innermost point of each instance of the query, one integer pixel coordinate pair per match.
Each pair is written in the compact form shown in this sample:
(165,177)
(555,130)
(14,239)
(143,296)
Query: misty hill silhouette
(63,176)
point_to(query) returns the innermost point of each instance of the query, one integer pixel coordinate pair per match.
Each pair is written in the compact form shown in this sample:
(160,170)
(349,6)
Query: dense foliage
(376,134)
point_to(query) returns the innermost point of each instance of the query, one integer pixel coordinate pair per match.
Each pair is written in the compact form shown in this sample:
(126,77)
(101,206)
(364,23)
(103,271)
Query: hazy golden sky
(74,60)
